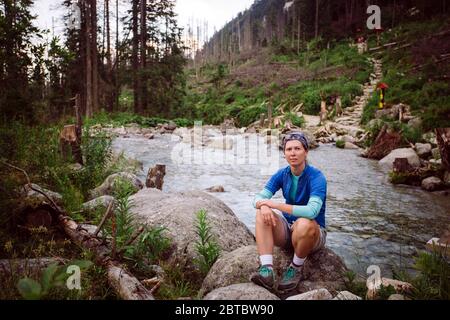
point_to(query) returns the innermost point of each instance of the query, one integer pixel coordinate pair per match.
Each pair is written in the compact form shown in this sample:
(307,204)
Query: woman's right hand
(268,216)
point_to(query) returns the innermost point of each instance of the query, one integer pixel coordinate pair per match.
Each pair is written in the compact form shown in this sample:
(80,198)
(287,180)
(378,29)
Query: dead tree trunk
(126,286)
(323,112)
(338,106)
(135,59)
(143,40)
(69,143)
(155,177)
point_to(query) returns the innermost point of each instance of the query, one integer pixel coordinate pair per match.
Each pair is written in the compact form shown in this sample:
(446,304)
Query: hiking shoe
(264,277)
(291,279)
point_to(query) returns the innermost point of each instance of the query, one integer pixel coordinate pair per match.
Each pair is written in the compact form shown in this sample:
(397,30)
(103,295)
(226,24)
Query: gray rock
(346,138)
(323,269)
(241,291)
(423,149)
(238,265)
(415,123)
(97,203)
(396,296)
(177,213)
(387,162)
(318,294)
(349,145)
(34,196)
(346,295)
(216,189)
(107,187)
(432,184)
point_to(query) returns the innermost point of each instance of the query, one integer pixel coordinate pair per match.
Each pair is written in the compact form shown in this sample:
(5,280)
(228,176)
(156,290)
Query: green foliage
(295,119)
(340,144)
(52,276)
(206,246)
(150,246)
(353,285)
(370,109)
(434,279)
(250,114)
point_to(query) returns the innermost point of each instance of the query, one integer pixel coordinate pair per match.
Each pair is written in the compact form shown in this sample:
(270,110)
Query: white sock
(297,261)
(266,260)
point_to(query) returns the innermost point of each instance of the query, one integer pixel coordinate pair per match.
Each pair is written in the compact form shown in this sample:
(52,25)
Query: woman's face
(295,153)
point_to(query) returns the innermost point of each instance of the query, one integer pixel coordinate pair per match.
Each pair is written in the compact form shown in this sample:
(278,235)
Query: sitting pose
(298,224)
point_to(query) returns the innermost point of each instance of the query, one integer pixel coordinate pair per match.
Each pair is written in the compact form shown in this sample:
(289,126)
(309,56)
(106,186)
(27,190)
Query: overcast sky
(215,12)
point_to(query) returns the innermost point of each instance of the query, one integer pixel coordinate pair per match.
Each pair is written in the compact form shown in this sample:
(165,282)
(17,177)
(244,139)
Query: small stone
(216,189)
(319,294)
(396,296)
(346,295)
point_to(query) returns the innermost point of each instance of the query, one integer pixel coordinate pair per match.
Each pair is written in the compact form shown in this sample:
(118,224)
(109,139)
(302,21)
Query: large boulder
(387,162)
(177,212)
(323,269)
(423,150)
(32,196)
(238,265)
(432,184)
(241,291)
(109,185)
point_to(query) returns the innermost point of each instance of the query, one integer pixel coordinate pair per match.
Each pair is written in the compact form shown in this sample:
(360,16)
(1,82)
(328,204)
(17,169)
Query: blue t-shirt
(311,182)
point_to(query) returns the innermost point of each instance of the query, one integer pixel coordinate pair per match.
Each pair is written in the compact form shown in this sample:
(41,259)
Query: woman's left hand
(269,203)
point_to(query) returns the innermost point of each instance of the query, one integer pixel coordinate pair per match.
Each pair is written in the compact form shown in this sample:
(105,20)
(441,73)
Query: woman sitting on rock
(298,224)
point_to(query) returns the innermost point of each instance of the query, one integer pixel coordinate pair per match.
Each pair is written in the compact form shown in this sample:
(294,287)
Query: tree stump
(155,177)
(70,144)
(443,140)
(262,117)
(384,144)
(338,106)
(401,165)
(323,112)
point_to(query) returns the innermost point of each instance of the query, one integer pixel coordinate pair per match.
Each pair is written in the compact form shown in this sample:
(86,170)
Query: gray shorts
(288,235)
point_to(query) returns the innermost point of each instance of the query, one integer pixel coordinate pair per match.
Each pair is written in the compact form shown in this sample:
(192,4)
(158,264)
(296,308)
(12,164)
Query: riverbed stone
(241,291)
(432,184)
(318,294)
(216,189)
(177,212)
(346,295)
(423,150)
(349,145)
(109,185)
(387,162)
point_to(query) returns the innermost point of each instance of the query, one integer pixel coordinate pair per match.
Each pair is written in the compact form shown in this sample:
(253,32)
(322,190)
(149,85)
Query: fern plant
(206,246)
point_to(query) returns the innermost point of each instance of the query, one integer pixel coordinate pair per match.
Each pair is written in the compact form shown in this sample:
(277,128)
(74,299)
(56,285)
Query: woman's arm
(310,211)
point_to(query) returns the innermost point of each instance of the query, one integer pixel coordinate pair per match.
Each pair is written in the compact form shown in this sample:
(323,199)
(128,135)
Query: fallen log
(125,284)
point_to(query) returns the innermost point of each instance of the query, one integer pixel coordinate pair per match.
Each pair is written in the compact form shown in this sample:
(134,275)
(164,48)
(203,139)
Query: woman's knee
(304,228)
